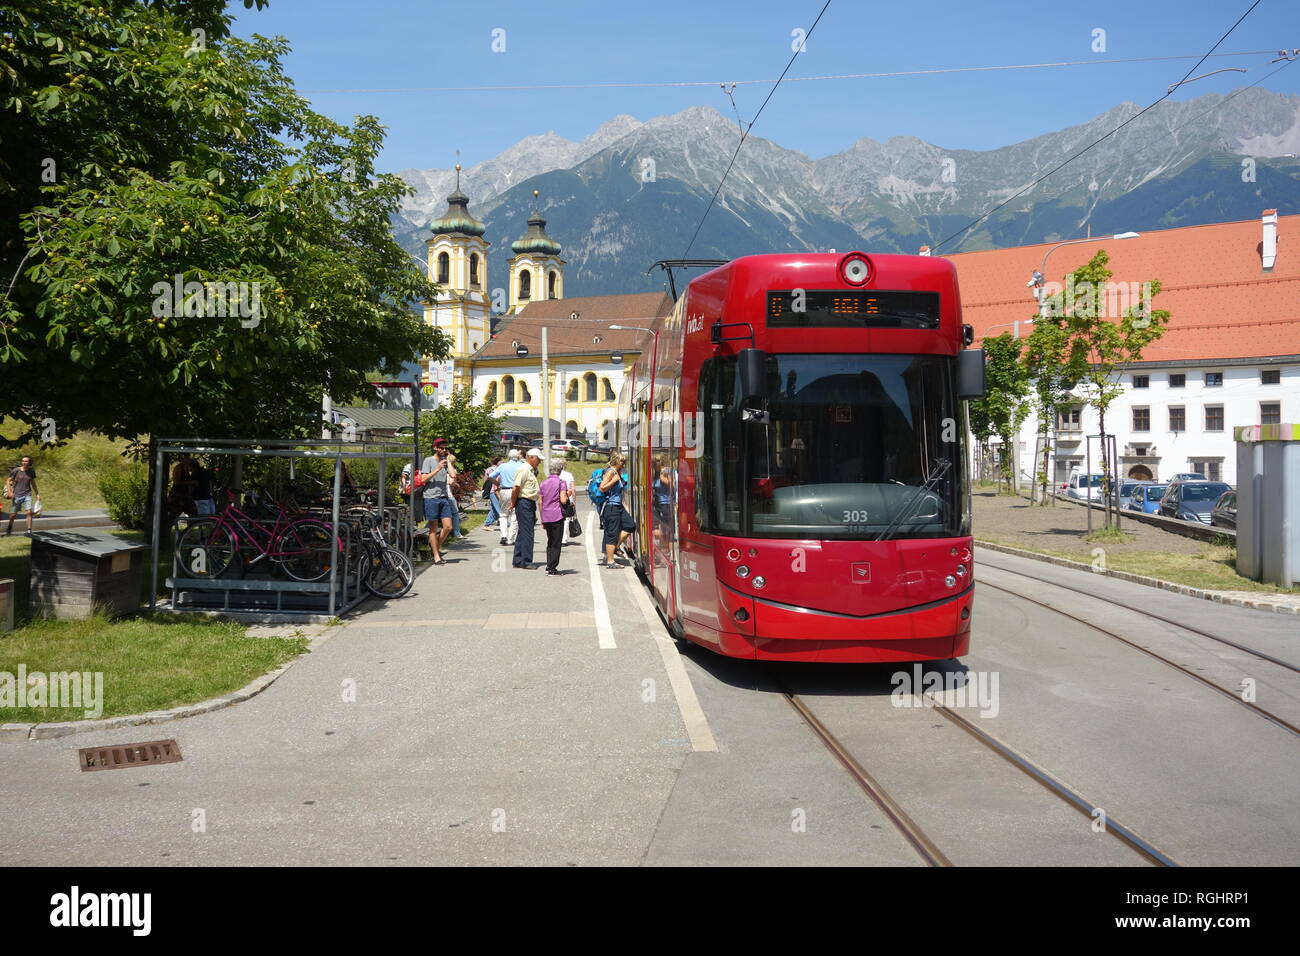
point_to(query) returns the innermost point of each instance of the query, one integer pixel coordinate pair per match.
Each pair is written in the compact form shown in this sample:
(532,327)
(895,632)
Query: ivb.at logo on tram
(797,459)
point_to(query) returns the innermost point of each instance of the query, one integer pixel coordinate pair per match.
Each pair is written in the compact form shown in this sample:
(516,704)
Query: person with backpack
(489,493)
(614,519)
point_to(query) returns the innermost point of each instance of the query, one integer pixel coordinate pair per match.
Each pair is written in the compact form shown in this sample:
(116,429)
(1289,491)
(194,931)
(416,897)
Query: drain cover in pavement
(129,755)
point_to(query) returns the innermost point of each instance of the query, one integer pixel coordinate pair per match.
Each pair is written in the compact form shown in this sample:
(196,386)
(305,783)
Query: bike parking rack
(343,591)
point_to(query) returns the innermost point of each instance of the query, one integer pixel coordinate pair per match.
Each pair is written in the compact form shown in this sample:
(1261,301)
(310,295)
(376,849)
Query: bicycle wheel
(391,575)
(207,551)
(304,550)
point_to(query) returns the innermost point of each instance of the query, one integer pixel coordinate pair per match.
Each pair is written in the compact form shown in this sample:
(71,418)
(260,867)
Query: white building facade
(1172,418)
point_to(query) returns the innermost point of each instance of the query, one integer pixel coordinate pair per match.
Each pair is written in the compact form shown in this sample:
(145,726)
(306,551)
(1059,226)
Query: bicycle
(210,547)
(385,571)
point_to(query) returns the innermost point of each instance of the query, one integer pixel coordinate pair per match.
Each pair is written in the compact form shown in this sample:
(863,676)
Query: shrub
(126,494)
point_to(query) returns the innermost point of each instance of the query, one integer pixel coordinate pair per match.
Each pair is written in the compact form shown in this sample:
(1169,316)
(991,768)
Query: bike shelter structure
(272,595)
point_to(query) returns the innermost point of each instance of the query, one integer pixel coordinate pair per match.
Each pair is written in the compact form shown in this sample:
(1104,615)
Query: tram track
(1150,614)
(925,847)
(1217,688)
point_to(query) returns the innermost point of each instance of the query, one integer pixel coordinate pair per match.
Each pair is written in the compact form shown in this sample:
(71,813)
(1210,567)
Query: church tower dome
(536,269)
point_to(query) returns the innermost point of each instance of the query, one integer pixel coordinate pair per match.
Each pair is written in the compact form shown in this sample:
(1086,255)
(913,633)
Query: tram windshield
(842,446)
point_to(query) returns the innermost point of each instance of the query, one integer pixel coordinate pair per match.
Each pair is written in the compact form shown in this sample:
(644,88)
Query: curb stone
(15,733)
(1215,596)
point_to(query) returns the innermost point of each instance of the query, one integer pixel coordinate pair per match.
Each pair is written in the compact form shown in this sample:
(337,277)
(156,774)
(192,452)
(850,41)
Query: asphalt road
(496,720)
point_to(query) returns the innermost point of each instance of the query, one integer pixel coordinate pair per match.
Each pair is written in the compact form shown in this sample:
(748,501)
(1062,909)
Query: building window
(473,270)
(589,380)
(1213,379)
(508,388)
(609,391)
(1177,380)
(1069,419)
(1178,419)
(1270,413)
(1214,418)
(572,430)
(551,284)
(1270,376)
(444,268)
(1211,468)
(1141,381)
(524,397)
(525,285)
(572,394)
(1142,419)
(491,394)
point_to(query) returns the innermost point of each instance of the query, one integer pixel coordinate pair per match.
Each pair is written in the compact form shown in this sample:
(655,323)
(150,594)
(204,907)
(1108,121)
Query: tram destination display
(852,308)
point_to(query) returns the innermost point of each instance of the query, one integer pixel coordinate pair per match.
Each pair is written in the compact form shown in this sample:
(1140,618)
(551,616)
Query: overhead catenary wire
(657,84)
(1168,93)
(750,126)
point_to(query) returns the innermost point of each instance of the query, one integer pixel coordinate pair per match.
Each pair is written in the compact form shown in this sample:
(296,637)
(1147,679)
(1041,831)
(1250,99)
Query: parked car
(514,440)
(568,444)
(1146,498)
(1125,490)
(1083,486)
(1188,476)
(1191,500)
(1224,512)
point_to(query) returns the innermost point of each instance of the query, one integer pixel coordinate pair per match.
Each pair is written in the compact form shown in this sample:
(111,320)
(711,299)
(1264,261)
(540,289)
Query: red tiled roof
(565,336)
(1221,303)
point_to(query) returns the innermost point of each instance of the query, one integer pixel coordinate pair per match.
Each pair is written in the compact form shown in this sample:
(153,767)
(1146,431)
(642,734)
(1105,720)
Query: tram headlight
(855,269)
(743,571)
(760,582)
(961,570)
(950,581)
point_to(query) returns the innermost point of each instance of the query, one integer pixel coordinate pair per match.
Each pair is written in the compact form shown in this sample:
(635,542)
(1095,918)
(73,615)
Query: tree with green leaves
(1003,408)
(1044,365)
(185,246)
(1105,326)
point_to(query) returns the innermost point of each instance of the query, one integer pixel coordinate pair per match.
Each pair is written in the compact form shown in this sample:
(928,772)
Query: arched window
(550,284)
(491,394)
(508,386)
(609,390)
(525,284)
(473,270)
(589,380)
(524,397)
(572,395)
(571,429)
(444,268)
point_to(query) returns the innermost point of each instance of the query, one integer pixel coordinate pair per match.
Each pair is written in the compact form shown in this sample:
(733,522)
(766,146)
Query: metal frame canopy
(291,448)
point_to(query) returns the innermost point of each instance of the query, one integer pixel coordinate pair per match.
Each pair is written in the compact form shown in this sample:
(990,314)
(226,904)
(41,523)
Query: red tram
(797,460)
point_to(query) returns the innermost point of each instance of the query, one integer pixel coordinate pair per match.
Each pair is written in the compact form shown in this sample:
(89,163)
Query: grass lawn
(148,663)
(1213,568)
(67,476)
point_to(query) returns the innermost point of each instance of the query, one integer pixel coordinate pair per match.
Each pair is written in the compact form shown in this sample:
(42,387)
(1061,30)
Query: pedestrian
(436,474)
(554,495)
(663,505)
(524,497)
(203,502)
(614,519)
(489,493)
(451,491)
(570,510)
(21,487)
(506,473)
(180,500)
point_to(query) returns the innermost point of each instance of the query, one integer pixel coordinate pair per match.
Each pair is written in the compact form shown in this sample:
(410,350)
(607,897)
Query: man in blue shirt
(505,473)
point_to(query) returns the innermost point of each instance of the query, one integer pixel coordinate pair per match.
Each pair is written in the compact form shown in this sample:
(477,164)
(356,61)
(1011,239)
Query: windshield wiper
(941,468)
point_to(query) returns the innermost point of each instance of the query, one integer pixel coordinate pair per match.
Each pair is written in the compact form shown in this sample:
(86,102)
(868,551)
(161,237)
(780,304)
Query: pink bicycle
(302,547)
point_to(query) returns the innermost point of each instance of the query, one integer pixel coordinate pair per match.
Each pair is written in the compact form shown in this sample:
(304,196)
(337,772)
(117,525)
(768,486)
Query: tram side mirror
(751,371)
(970,373)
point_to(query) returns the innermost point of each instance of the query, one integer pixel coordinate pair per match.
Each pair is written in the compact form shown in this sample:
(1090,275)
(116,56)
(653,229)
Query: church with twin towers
(496,332)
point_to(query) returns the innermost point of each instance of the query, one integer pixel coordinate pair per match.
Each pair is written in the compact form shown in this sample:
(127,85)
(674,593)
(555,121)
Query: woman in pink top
(554,495)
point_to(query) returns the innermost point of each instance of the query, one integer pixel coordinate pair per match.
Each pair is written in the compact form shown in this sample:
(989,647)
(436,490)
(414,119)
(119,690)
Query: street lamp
(1038,277)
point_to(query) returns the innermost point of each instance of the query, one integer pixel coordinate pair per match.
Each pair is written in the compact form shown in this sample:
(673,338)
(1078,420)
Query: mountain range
(633,192)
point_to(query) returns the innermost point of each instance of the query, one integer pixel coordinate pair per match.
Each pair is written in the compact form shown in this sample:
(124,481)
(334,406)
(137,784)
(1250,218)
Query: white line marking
(604,629)
(697,725)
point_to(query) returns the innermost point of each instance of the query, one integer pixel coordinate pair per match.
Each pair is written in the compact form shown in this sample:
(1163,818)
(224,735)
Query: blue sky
(385,44)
